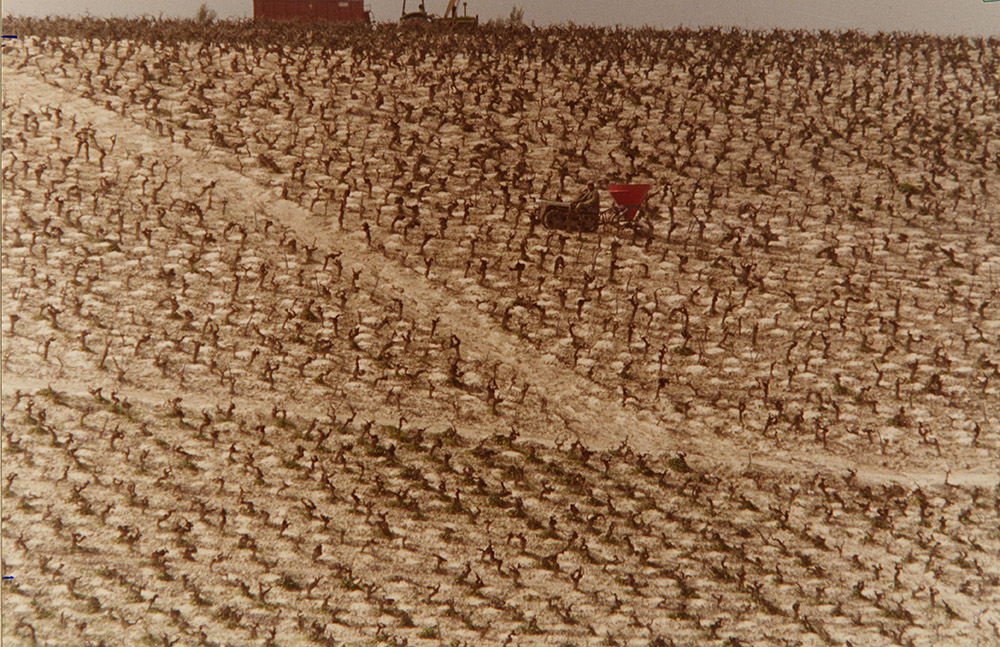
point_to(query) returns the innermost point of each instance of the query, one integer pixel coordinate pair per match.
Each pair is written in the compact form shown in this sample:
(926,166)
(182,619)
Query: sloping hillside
(287,360)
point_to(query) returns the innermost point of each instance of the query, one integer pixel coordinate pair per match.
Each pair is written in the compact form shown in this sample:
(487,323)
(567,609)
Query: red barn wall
(310,10)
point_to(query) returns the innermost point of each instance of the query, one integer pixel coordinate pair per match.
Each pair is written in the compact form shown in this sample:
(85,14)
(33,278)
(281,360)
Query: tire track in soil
(589,410)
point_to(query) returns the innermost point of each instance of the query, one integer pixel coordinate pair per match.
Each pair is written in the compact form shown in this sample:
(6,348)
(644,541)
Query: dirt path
(589,410)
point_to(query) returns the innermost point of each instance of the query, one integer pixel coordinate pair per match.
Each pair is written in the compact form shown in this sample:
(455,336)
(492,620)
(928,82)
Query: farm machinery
(628,212)
(450,17)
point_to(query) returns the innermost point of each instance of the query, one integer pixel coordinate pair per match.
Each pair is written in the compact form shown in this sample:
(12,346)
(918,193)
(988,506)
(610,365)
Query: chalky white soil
(285,360)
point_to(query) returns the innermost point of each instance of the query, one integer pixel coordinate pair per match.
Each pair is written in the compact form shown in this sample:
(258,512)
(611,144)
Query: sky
(967,17)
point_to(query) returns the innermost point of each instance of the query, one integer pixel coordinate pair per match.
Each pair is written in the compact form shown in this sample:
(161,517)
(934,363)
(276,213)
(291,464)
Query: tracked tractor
(628,212)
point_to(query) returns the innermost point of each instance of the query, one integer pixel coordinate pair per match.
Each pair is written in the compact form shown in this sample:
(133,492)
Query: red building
(310,10)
